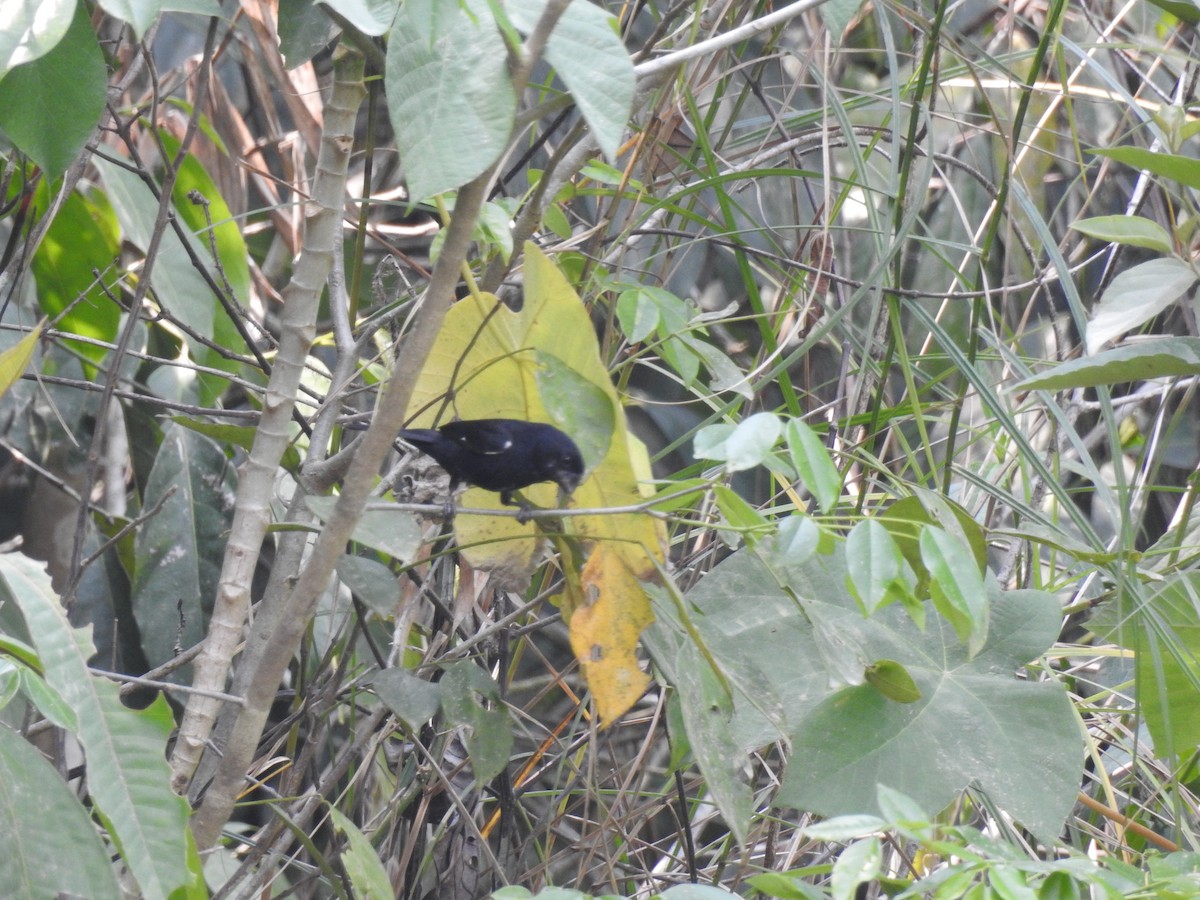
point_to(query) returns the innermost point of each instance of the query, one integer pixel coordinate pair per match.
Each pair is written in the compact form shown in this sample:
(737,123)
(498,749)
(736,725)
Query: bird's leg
(506,498)
(448,505)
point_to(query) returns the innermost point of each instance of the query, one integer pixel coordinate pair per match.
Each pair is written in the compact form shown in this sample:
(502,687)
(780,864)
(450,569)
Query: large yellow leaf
(542,363)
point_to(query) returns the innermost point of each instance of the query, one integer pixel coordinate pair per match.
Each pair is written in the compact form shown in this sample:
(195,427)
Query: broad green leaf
(1168,357)
(83,237)
(305,29)
(231,247)
(179,549)
(1136,296)
(973,724)
(413,699)
(373,17)
(362,864)
(372,582)
(465,690)
(1184,169)
(125,749)
(70,79)
(812,461)
(51,845)
(15,360)
(451,103)
(586,50)
(713,685)
(1135,231)
(394,532)
(32,28)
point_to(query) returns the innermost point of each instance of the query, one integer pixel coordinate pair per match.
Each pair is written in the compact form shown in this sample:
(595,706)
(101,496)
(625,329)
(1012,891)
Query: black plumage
(501,455)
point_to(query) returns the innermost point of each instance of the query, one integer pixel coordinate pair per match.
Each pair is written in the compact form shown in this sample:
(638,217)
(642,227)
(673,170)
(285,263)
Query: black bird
(502,455)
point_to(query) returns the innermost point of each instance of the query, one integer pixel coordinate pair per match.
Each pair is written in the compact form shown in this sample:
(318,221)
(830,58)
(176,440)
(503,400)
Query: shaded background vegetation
(878,220)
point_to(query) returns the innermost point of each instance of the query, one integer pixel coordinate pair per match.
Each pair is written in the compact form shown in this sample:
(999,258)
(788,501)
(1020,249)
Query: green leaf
(741,446)
(878,573)
(372,17)
(58,851)
(32,30)
(1134,231)
(858,863)
(586,50)
(893,681)
(1169,357)
(451,103)
(1180,9)
(1136,296)
(363,866)
(393,532)
(974,723)
(372,582)
(179,550)
(141,14)
(69,78)
(413,699)
(177,284)
(471,698)
(83,237)
(125,749)
(957,587)
(695,892)
(637,314)
(812,461)
(1162,627)
(305,29)
(191,176)
(1184,169)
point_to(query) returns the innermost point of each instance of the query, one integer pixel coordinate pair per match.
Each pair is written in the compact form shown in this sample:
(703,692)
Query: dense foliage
(873,322)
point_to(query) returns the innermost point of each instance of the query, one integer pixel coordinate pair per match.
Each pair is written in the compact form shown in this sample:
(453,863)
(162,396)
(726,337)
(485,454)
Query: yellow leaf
(542,363)
(15,360)
(604,632)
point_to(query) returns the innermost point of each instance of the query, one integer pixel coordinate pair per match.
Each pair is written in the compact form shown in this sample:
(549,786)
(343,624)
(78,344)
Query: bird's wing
(486,436)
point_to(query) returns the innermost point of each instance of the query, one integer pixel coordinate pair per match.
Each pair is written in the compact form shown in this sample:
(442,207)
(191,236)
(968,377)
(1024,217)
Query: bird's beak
(568,483)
